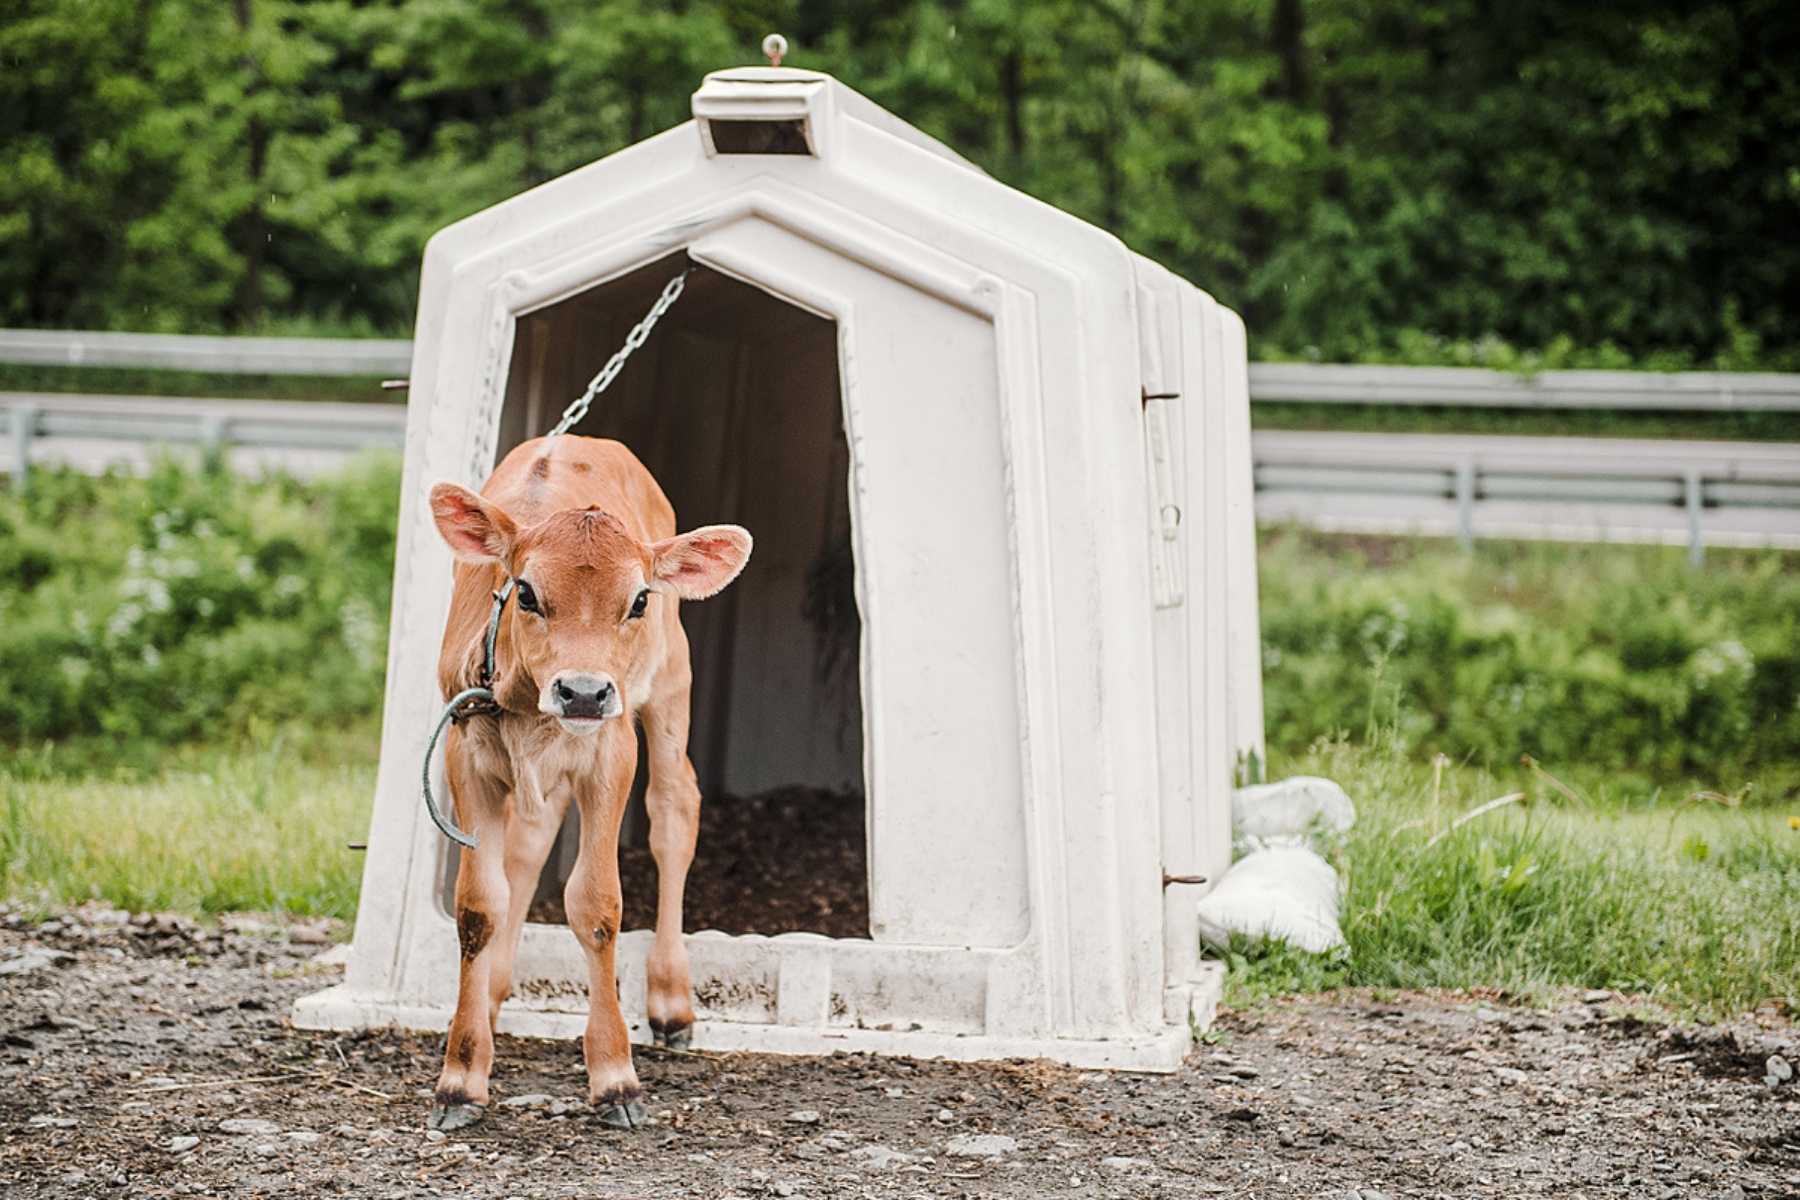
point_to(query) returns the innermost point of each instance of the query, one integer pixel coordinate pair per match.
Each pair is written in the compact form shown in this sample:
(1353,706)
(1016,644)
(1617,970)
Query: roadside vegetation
(190,683)
(1620,667)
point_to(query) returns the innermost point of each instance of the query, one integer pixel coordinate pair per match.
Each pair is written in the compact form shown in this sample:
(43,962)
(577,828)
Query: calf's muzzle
(581,696)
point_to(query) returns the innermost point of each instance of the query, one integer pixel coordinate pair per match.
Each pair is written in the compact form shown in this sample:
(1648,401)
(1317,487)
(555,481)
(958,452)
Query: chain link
(640,333)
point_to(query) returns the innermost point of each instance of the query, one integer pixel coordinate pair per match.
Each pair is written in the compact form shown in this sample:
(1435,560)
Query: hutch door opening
(734,404)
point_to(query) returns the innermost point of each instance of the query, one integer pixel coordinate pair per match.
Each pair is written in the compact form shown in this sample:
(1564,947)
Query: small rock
(303,1137)
(182,1144)
(563,1107)
(803,1116)
(45,1121)
(267,1149)
(160,1081)
(1120,1162)
(785,1187)
(944,1117)
(435,1135)
(34,959)
(893,1093)
(1778,1070)
(1597,996)
(528,1100)
(980,1145)
(881,1158)
(333,956)
(834,1141)
(1511,1074)
(307,935)
(248,1125)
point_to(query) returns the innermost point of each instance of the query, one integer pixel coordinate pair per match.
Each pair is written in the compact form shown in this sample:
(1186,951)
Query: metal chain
(639,334)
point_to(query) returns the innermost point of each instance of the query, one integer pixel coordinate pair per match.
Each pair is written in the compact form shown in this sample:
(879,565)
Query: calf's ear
(700,563)
(476,529)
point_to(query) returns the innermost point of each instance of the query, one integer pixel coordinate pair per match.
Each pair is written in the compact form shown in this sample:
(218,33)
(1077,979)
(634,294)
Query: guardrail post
(1695,500)
(212,441)
(23,422)
(1465,504)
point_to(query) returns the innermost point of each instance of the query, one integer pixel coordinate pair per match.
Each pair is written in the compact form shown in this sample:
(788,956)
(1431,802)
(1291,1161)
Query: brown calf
(590,640)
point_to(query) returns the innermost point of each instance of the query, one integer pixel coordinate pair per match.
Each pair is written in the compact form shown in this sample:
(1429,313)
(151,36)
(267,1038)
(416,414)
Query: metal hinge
(1165,507)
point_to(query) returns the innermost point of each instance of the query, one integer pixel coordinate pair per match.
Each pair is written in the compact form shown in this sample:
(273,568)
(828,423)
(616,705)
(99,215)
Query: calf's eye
(637,605)
(528,601)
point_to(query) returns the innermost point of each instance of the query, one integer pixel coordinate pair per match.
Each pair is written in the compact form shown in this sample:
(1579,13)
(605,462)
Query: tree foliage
(1383,179)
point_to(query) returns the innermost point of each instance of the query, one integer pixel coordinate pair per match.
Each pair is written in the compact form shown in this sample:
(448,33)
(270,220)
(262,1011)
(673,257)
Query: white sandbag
(1289,811)
(1286,893)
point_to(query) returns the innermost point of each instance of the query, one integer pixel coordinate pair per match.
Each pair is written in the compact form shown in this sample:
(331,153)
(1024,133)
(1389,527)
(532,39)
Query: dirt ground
(144,1057)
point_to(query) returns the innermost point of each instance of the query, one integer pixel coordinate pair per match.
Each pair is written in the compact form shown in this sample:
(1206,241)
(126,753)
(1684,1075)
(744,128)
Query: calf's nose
(582,695)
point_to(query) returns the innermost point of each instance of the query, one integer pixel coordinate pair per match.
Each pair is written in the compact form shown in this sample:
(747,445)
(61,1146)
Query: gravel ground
(146,1056)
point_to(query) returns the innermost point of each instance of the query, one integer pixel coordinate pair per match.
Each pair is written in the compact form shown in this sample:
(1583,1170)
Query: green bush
(192,603)
(1603,659)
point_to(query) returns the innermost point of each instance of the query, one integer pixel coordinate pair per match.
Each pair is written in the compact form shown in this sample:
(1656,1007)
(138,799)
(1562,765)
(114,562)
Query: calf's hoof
(623,1114)
(448,1118)
(675,1037)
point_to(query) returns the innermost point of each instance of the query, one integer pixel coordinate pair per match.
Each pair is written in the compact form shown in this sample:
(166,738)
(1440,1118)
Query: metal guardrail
(1583,489)
(206,354)
(1473,387)
(94,432)
(1320,383)
(1577,488)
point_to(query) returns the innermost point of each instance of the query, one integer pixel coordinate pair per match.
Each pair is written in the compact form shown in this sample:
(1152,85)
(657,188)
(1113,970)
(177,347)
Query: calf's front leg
(673,800)
(482,901)
(594,905)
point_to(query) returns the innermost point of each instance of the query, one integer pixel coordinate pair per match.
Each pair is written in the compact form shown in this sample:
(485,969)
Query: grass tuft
(263,826)
(1693,905)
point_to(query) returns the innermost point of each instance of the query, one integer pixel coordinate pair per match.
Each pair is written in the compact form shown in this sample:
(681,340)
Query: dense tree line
(1362,180)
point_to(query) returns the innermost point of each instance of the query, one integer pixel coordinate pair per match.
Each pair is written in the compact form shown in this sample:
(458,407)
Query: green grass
(1367,418)
(1692,904)
(261,826)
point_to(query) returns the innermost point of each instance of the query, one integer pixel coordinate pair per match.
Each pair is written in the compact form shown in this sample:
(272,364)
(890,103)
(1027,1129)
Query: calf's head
(585,594)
